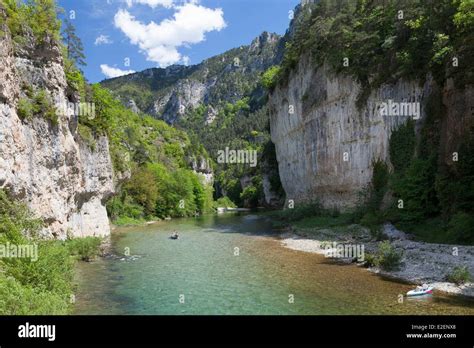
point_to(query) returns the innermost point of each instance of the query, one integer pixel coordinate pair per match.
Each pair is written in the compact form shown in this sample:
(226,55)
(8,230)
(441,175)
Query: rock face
(325,145)
(47,166)
(220,79)
(201,166)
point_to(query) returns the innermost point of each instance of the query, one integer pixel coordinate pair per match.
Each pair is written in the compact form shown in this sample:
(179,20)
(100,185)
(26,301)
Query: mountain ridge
(226,77)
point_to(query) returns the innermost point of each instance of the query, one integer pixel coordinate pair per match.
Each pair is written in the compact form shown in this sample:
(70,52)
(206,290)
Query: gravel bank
(421,262)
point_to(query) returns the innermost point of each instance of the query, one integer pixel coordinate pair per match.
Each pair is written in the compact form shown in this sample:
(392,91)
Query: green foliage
(28,286)
(42,105)
(387,257)
(75,80)
(224,202)
(156,191)
(25,109)
(123,208)
(370,260)
(417,190)
(402,146)
(250,194)
(17,299)
(86,249)
(73,44)
(87,136)
(270,77)
(299,212)
(143,189)
(378,185)
(15,220)
(459,275)
(381,48)
(461,228)
(125,220)
(464,17)
(36,16)
(253,192)
(39,105)
(325,219)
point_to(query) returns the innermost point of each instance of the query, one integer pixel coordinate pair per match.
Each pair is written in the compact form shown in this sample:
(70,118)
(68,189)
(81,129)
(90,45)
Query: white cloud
(161,41)
(151,3)
(102,40)
(114,72)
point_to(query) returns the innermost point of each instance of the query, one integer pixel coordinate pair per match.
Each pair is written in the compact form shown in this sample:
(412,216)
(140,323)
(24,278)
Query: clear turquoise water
(203,267)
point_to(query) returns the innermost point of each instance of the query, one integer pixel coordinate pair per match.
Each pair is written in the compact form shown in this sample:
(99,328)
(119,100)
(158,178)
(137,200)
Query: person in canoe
(175,235)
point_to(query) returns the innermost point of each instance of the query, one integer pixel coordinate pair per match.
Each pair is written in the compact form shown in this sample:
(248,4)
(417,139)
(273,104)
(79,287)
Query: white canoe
(420,291)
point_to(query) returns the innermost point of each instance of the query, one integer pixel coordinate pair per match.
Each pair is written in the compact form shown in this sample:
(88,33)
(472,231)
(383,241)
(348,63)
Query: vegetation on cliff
(382,41)
(39,281)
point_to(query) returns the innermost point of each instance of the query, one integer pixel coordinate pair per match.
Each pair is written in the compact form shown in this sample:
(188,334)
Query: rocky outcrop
(325,144)
(225,78)
(186,94)
(201,166)
(47,165)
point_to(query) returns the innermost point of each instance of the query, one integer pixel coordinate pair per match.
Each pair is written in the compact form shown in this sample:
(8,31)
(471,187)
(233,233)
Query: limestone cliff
(46,165)
(325,145)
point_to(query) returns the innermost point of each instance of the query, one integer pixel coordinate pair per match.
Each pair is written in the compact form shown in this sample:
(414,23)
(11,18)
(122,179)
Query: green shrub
(387,257)
(25,109)
(17,299)
(370,260)
(128,221)
(86,249)
(43,106)
(461,228)
(27,286)
(270,77)
(299,212)
(40,105)
(87,136)
(37,16)
(459,275)
(224,202)
(121,207)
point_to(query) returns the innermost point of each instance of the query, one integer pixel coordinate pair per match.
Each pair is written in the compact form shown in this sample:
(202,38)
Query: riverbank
(420,262)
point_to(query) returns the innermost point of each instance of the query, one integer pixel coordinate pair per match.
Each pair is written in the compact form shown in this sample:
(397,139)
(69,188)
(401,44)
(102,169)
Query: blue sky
(119,35)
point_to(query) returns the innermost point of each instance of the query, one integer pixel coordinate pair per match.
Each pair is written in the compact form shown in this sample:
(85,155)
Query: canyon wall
(47,165)
(325,145)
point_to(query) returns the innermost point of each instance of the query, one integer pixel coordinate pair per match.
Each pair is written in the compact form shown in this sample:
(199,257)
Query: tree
(74,47)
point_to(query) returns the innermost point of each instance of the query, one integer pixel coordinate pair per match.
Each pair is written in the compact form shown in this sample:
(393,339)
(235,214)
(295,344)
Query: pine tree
(75,49)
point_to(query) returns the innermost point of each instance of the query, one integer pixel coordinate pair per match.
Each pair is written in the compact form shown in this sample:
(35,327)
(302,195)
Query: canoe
(420,291)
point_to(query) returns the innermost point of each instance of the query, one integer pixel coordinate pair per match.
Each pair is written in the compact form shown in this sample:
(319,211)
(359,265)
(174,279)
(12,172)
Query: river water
(233,264)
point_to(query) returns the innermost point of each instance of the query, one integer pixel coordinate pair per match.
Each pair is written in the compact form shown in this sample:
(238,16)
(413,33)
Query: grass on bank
(44,286)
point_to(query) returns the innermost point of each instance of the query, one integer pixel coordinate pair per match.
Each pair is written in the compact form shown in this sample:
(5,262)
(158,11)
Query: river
(234,264)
